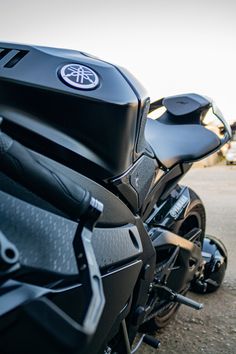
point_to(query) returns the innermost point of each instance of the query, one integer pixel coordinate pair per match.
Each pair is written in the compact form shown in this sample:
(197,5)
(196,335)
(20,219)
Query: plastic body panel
(57,338)
(134,249)
(115,212)
(104,121)
(46,235)
(135,184)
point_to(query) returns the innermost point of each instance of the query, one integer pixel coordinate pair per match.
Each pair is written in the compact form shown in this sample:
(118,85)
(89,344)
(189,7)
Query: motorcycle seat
(179,143)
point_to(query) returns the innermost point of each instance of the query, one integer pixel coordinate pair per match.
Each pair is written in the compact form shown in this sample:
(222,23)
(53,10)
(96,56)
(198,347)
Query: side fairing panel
(45,240)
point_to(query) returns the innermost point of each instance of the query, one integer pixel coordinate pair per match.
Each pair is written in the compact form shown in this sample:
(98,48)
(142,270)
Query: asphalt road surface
(213,329)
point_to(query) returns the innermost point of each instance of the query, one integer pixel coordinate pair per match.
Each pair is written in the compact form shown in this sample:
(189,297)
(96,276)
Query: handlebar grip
(18,163)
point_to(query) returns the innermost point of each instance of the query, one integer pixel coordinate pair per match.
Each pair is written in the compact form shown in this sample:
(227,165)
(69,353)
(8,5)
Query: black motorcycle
(98,240)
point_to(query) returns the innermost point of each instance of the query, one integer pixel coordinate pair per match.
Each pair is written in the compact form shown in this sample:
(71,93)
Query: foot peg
(149,340)
(168,294)
(153,342)
(188,302)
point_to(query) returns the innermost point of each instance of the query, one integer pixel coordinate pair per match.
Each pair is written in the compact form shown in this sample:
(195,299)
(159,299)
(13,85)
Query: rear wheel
(195,218)
(163,318)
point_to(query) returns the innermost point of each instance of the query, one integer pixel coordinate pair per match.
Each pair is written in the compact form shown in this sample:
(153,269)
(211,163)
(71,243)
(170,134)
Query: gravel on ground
(213,329)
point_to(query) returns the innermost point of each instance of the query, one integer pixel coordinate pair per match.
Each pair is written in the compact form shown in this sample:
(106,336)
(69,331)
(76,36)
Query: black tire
(162,320)
(195,217)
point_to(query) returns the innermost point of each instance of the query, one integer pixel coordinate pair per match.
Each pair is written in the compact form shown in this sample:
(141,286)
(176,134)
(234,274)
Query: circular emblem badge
(79,76)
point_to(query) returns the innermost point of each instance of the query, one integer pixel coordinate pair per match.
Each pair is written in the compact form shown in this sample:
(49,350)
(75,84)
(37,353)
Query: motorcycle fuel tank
(76,102)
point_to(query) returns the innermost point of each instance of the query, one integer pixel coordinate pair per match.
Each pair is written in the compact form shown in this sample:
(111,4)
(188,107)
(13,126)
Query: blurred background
(172,46)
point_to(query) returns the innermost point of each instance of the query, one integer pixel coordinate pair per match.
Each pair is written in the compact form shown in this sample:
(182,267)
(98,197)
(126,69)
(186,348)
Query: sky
(172,47)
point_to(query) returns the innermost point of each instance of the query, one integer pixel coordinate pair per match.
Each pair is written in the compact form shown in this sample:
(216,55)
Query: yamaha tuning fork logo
(79,76)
